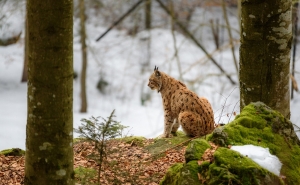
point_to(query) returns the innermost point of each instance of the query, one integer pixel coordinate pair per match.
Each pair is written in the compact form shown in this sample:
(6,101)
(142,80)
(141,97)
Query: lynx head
(155,81)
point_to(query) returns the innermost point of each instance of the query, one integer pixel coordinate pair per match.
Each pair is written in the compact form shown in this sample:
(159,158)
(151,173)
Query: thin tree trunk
(148,14)
(266,36)
(49,130)
(230,35)
(171,5)
(295,30)
(25,67)
(84,57)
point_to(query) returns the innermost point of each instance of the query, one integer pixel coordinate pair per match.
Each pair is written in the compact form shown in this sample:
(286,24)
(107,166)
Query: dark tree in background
(266,35)
(25,68)
(148,14)
(84,57)
(49,140)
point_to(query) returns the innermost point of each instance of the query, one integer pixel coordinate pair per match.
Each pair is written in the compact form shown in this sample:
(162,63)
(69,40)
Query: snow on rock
(261,156)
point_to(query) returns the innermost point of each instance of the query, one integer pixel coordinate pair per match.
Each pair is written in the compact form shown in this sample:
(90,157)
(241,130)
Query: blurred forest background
(194,41)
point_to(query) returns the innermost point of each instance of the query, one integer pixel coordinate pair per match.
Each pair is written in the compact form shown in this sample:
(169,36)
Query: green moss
(138,140)
(13,152)
(233,168)
(85,176)
(258,125)
(275,133)
(172,175)
(249,122)
(78,140)
(235,159)
(195,149)
(184,174)
(179,138)
(161,144)
(189,174)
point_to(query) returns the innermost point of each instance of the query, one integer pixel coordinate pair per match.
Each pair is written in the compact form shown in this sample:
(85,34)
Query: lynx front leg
(168,124)
(175,127)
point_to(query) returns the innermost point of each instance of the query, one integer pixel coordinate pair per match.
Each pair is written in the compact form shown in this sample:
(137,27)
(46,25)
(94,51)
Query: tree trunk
(148,14)
(25,68)
(84,57)
(49,131)
(266,35)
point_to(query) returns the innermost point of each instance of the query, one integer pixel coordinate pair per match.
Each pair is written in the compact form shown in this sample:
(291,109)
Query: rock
(230,167)
(257,125)
(219,137)
(13,152)
(185,174)
(134,140)
(195,149)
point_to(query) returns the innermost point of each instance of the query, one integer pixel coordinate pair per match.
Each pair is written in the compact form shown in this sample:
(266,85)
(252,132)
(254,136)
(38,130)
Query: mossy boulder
(134,140)
(230,167)
(257,125)
(196,149)
(13,152)
(185,174)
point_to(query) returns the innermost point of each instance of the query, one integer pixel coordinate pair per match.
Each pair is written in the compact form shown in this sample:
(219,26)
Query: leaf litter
(125,163)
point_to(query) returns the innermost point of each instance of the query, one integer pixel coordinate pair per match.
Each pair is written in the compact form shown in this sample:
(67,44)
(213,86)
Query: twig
(195,40)
(233,110)
(225,103)
(15,161)
(120,19)
(202,59)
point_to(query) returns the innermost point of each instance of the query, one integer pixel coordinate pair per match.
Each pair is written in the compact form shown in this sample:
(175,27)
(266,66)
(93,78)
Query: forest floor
(126,163)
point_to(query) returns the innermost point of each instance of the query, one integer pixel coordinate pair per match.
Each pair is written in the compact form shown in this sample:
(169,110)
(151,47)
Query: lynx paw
(165,136)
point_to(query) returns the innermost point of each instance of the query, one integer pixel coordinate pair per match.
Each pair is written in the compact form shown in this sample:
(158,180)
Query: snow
(120,60)
(261,156)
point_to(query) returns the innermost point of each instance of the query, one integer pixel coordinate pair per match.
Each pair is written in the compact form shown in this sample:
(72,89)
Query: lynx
(182,106)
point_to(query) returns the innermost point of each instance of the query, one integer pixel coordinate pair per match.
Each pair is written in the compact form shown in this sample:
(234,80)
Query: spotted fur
(182,106)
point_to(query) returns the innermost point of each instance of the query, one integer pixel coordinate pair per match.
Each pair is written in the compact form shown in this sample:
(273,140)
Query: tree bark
(84,57)
(266,35)
(49,130)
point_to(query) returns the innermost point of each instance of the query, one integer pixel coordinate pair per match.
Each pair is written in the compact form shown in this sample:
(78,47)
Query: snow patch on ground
(261,156)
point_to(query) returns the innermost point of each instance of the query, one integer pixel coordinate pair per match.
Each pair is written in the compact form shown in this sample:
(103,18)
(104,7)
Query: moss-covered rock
(183,174)
(195,149)
(218,136)
(260,125)
(172,176)
(230,167)
(12,152)
(257,125)
(137,140)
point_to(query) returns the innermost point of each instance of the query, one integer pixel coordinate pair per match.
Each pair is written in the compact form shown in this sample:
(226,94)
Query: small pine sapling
(98,132)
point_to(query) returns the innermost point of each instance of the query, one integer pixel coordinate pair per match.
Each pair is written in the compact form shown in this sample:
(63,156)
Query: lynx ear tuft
(155,68)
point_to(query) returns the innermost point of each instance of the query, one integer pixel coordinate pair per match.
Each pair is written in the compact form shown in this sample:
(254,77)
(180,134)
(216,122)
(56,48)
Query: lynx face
(155,81)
